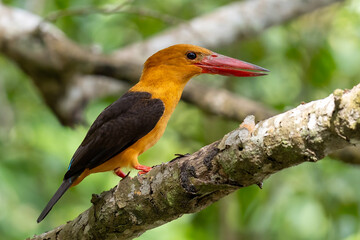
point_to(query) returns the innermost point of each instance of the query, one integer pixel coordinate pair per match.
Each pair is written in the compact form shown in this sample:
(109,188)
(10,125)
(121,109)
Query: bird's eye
(191,55)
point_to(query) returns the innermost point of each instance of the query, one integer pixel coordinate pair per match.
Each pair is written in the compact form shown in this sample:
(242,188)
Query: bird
(136,121)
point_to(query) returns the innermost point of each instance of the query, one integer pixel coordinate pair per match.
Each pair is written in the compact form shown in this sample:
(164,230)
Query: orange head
(184,61)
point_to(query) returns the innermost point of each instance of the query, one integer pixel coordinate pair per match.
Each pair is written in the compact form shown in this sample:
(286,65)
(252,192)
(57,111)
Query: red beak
(219,64)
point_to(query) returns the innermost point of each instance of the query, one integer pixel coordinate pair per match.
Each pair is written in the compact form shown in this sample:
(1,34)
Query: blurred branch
(54,16)
(55,63)
(154,14)
(121,8)
(224,103)
(349,155)
(189,184)
(223,26)
(68,75)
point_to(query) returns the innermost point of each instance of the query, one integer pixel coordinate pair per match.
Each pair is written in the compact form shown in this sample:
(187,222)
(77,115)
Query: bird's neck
(165,85)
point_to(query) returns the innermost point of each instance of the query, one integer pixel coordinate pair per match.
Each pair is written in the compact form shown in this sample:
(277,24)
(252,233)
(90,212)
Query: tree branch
(117,9)
(225,25)
(190,183)
(56,64)
(349,155)
(223,103)
(54,16)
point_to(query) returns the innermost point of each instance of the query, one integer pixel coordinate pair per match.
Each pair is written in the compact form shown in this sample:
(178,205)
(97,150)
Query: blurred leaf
(321,67)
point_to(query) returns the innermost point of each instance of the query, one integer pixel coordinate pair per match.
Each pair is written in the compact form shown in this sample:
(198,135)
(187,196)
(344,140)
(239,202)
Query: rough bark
(242,158)
(59,66)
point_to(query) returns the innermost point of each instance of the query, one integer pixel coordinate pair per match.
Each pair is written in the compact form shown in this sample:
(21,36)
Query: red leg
(120,173)
(144,169)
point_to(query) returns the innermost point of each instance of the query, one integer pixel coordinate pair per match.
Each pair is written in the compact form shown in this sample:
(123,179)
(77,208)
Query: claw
(144,169)
(121,173)
(179,155)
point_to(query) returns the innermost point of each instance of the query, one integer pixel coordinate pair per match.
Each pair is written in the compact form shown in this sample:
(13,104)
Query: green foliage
(308,58)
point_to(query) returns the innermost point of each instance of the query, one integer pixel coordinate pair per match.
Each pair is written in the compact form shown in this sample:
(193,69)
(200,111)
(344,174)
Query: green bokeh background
(308,58)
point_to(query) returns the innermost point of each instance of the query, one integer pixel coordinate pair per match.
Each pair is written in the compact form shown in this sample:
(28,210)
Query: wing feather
(117,127)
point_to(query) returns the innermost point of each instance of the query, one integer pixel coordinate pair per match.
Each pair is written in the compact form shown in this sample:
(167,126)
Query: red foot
(144,169)
(120,173)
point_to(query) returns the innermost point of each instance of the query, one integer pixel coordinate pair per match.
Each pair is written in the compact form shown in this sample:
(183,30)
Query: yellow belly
(129,157)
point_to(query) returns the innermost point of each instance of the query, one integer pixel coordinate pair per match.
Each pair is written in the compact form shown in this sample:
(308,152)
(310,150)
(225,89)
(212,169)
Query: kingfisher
(136,121)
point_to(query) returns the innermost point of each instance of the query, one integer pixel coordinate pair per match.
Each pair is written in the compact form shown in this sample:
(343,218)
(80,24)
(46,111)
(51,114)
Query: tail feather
(66,184)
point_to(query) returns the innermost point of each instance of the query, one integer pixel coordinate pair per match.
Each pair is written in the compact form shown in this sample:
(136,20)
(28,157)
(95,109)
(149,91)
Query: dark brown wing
(119,126)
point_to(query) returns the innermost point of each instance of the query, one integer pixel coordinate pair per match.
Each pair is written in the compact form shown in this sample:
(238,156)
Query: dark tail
(62,189)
